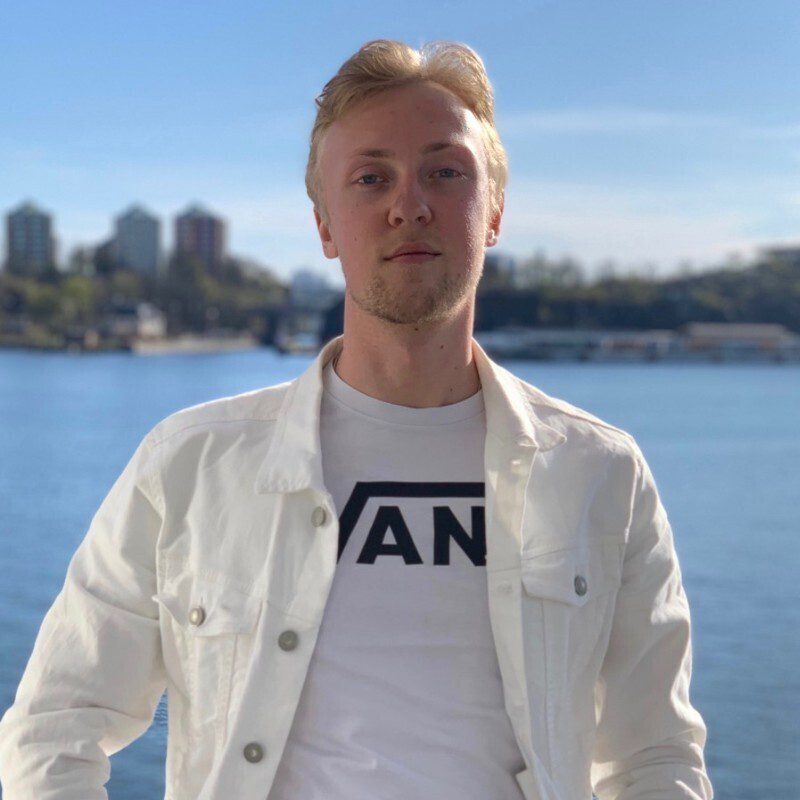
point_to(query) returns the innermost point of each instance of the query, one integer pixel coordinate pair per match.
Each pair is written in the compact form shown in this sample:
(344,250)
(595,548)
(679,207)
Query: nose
(409,204)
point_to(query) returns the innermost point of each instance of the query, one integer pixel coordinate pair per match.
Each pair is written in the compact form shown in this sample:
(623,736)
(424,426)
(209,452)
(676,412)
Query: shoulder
(582,428)
(229,412)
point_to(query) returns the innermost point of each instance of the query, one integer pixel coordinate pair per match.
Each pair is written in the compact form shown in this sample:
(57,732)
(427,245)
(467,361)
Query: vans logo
(389,535)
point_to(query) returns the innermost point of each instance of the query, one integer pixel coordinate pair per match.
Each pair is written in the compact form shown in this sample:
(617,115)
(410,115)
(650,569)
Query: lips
(413,258)
(414,248)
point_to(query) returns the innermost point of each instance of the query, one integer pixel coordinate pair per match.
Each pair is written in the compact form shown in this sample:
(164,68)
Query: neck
(431,368)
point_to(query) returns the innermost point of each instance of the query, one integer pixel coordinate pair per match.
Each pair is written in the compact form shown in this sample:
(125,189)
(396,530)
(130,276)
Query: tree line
(538,293)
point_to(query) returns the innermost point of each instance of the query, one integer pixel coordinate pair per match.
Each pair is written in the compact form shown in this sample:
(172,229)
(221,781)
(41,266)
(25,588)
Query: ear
(328,245)
(493,229)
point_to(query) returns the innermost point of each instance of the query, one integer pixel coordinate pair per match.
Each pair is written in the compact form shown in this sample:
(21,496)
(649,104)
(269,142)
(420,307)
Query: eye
(368,183)
(449,169)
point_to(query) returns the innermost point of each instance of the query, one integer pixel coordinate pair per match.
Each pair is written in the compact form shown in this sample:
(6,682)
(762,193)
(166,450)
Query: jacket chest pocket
(213,626)
(572,590)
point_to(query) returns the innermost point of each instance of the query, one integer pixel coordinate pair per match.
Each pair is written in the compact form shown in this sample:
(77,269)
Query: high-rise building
(30,248)
(137,240)
(200,234)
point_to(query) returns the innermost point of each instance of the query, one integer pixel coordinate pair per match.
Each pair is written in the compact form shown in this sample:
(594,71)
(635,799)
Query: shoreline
(191,343)
(185,343)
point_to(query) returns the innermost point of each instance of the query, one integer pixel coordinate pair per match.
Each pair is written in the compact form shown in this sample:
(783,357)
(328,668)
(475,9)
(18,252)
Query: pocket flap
(209,608)
(572,574)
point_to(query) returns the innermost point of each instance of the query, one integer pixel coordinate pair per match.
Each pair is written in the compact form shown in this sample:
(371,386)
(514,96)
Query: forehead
(402,118)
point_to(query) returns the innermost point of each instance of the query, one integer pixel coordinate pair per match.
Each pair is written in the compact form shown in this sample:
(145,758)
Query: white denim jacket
(219,537)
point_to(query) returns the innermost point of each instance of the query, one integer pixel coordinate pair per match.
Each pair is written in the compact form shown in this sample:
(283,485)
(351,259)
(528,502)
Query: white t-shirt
(403,699)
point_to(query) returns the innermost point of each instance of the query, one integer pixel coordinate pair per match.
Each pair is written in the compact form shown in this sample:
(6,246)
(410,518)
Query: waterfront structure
(579,344)
(135,320)
(137,241)
(200,234)
(30,247)
(740,339)
(696,341)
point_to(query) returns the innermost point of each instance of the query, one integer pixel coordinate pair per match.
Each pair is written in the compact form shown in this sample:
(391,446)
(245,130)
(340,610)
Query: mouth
(413,258)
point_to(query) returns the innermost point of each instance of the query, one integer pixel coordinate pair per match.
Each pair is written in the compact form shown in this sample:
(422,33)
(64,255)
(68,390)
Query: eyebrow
(430,148)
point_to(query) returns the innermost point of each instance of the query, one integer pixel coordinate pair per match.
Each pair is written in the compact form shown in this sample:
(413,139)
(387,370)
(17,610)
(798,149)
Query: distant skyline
(638,132)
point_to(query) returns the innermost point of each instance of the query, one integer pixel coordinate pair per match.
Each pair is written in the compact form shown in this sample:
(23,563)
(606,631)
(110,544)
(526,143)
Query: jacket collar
(293,460)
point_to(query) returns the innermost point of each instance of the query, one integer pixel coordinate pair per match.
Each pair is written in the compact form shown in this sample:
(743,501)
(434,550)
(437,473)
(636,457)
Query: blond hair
(385,64)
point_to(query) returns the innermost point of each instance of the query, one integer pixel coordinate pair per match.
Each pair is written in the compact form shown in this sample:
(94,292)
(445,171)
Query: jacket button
(197,615)
(253,752)
(318,516)
(287,640)
(580,585)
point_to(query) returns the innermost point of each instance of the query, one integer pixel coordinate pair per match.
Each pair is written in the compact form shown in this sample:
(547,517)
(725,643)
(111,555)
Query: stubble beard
(417,301)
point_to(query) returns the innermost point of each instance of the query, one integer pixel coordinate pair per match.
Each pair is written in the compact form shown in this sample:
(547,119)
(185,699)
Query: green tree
(77,300)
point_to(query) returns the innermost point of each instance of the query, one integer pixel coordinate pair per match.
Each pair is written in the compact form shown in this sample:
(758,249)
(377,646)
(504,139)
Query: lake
(723,441)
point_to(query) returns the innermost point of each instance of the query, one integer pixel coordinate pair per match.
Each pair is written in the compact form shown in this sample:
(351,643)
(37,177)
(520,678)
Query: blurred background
(159,250)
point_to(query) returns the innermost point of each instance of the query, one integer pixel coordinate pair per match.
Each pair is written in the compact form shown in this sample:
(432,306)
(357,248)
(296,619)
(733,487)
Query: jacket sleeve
(650,738)
(94,678)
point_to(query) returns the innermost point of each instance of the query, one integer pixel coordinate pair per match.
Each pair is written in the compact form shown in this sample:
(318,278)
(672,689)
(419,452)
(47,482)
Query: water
(723,442)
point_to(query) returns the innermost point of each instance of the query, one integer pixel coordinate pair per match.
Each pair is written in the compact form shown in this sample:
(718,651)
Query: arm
(650,738)
(95,676)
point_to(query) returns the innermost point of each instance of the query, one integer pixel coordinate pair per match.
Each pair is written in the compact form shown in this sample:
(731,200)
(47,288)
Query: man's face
(378,202)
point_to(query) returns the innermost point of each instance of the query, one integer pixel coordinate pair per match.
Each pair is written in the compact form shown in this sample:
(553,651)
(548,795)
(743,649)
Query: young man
(405,574)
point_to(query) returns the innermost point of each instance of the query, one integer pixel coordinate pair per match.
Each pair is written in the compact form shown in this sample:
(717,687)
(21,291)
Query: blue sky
(640,131)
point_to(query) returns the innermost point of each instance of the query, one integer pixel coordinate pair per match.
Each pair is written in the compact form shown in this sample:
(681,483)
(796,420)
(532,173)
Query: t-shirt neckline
(382,411)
